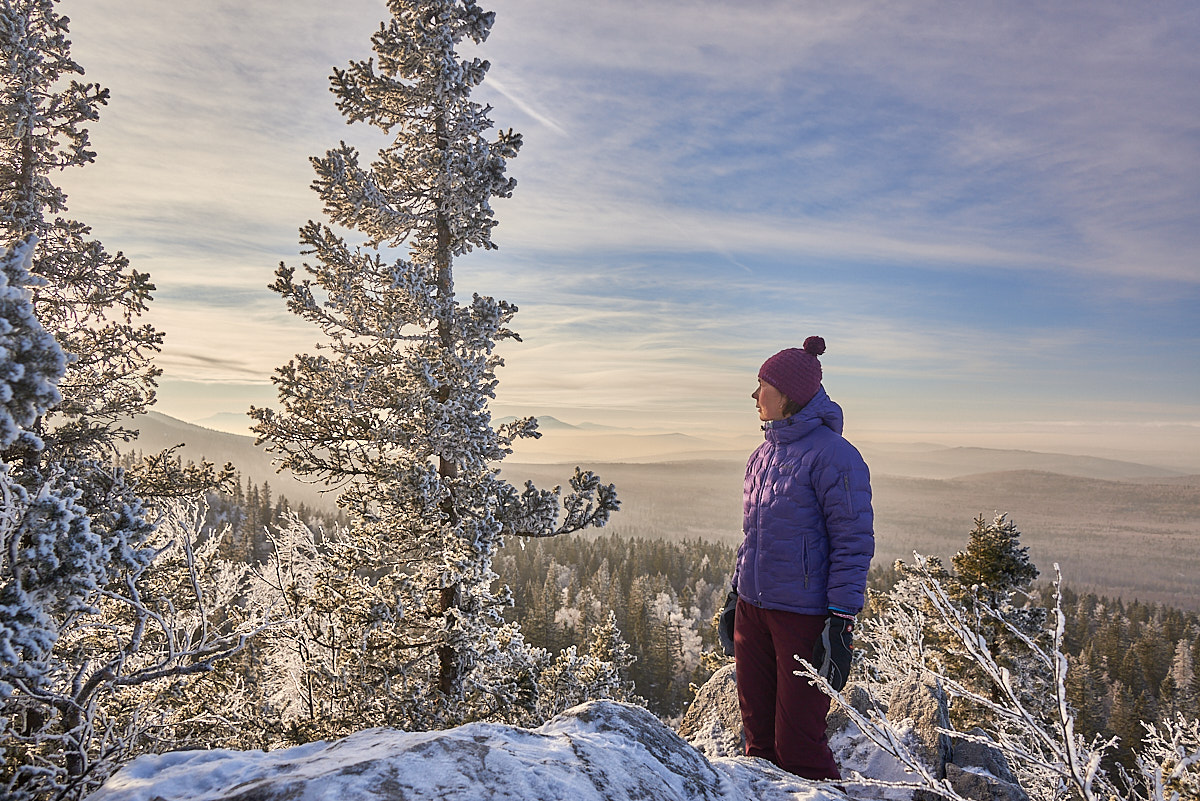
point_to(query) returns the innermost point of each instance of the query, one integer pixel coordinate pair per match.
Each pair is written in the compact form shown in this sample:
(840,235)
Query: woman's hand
(834,649)
(725,624)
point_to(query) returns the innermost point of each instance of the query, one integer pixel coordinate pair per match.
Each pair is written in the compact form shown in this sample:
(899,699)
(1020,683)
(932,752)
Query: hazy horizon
(1119,528)
(565,441)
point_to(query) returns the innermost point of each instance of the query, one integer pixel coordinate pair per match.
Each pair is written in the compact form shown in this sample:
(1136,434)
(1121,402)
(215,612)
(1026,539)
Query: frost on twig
(1049,758)
(113,679)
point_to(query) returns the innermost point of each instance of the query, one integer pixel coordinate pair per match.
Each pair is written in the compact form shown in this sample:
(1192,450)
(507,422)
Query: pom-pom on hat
(795,372)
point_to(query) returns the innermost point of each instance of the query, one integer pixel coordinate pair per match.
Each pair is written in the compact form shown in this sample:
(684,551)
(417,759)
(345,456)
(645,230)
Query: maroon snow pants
(783,715)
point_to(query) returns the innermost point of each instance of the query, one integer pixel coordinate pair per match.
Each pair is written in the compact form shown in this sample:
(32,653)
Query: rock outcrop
(599,751)
(974,768)
(921,700)
(713,724)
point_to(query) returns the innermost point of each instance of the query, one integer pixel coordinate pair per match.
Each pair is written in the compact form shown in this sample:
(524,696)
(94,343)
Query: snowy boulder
(974,768)
(979,771)
(982,786)
(921,700)
(598,751)
(713,721)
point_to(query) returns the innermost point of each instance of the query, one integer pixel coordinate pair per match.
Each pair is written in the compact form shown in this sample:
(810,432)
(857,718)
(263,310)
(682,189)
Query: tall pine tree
(392,408)
(81,618)
(86,298)
(90,299)
(86,525)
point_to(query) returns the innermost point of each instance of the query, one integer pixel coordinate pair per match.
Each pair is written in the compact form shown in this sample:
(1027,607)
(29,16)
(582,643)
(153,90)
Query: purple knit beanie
(795,372)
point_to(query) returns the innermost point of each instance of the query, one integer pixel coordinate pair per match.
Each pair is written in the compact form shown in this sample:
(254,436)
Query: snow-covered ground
(599,751)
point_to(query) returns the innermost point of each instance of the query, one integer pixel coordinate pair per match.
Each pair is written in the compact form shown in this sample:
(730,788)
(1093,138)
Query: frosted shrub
(1050,760)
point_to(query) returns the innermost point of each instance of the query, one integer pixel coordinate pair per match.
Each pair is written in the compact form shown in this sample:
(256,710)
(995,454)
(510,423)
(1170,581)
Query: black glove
(834,649)
(725,623)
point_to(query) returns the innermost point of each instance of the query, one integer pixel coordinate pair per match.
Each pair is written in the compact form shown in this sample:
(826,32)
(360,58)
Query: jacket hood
(820,411)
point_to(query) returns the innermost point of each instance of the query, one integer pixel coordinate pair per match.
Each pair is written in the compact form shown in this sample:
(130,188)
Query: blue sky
(991,211)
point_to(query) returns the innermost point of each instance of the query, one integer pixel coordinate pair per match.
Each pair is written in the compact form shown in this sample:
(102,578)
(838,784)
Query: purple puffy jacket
(807,517)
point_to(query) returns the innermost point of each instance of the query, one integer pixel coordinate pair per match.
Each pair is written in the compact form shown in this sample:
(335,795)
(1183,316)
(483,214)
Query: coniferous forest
(1131,662)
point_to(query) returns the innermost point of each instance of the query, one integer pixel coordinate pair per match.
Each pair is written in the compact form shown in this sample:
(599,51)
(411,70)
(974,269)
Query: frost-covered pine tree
(1178,691)
(82,623)
(53,563)
(392,408)
(90,300)
(609,648)
(84,523)
(87,299)
(31,365)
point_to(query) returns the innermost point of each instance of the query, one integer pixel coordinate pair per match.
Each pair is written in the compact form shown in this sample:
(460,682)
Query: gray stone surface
(599,751)
(979,771)
(713,722)
(973,754)
(838,719)
(982,786)
(921,699)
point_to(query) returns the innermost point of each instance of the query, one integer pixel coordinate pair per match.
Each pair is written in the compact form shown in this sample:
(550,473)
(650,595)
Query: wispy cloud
(983,208)
(1063,133)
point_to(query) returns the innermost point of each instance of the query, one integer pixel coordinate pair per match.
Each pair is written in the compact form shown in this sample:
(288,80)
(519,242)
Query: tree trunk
(449,669)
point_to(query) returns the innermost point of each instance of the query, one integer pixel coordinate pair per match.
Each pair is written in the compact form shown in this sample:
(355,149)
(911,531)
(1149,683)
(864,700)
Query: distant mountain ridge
(1119,528)
(158,432)
(229,422)
(942,462)
(564,443)
(234,423)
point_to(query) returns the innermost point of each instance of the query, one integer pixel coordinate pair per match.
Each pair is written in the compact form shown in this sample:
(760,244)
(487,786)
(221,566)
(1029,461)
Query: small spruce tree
(609,648)
(1178,691)
(992,574)
(994,559)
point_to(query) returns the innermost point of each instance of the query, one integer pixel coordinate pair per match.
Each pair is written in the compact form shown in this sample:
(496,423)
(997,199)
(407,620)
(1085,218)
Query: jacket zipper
(758,510)
(804,557)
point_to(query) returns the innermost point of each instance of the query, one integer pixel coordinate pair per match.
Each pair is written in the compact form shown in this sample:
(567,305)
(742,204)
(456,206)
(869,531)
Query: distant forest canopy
(1130,661)
(1132,539)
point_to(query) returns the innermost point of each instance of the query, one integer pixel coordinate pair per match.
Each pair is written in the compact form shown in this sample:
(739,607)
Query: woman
(802,568)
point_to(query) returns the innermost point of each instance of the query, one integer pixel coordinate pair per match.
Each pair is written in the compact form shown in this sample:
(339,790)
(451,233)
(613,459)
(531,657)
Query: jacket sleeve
(752,464)
(737,566)
(843,484)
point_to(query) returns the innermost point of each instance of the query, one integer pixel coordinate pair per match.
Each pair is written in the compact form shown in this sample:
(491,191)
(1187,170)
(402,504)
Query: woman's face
(770,401)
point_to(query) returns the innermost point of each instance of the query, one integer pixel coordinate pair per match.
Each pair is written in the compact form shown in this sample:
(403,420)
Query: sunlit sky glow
(991,212)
